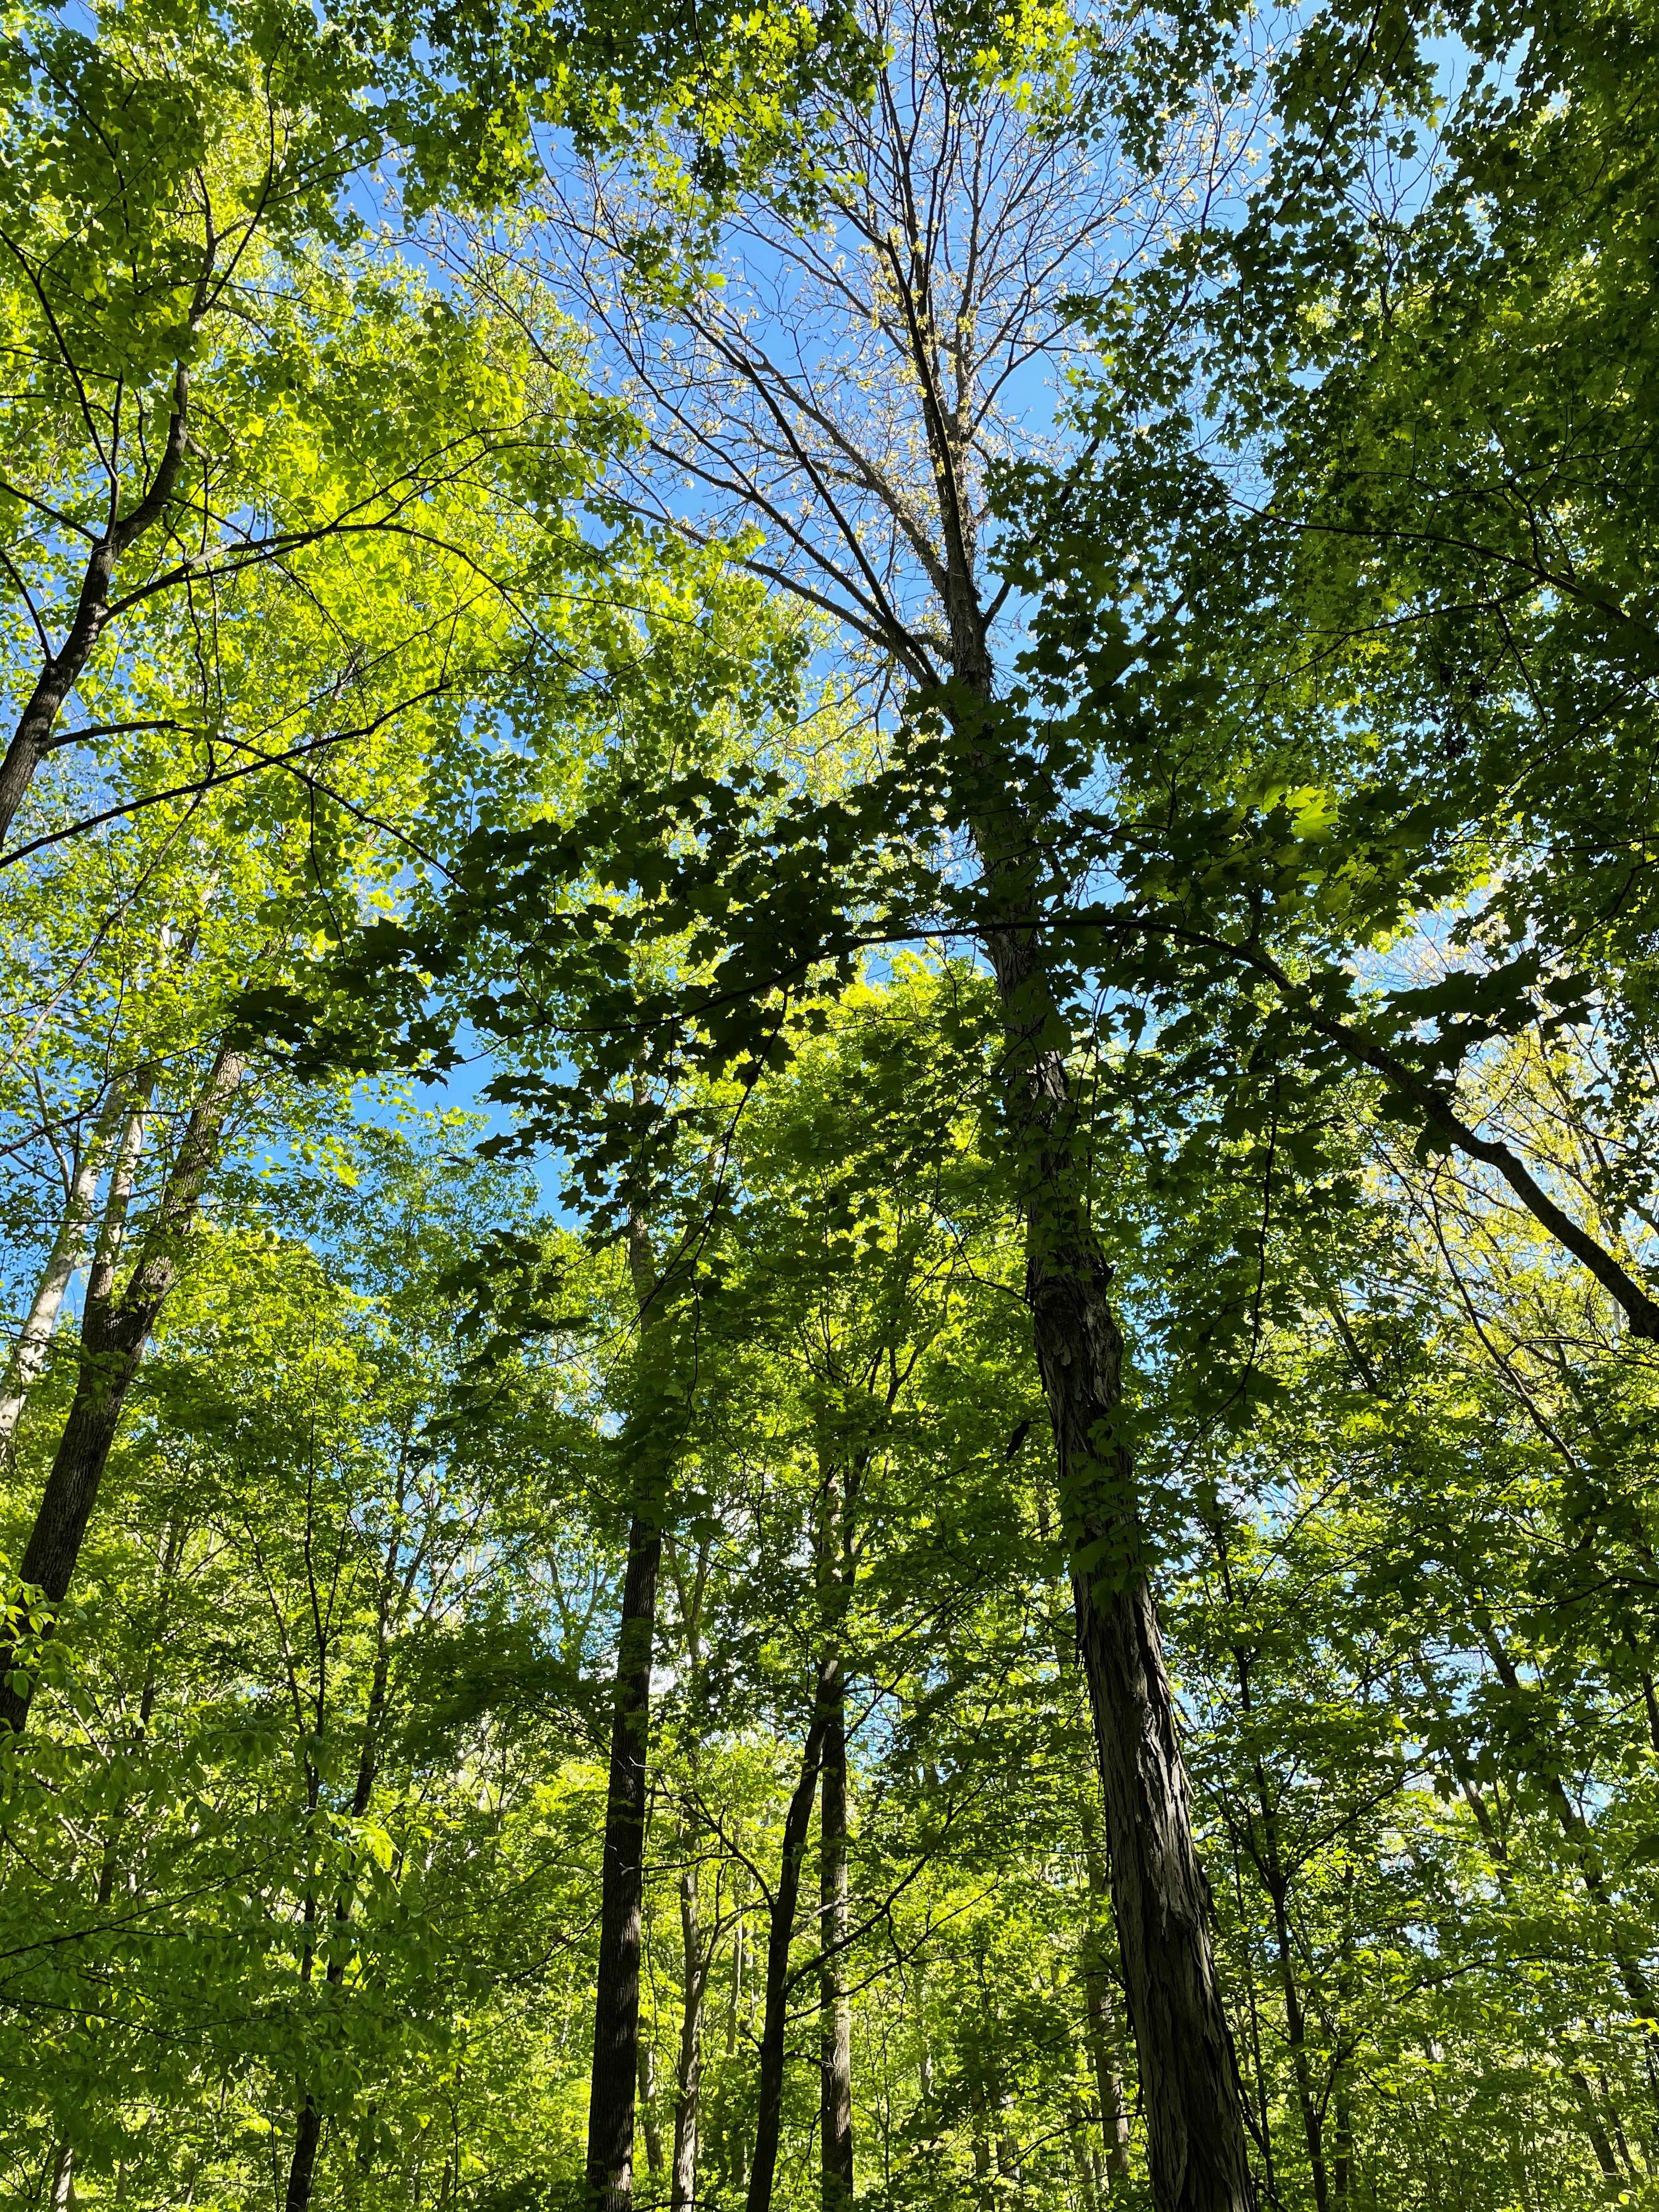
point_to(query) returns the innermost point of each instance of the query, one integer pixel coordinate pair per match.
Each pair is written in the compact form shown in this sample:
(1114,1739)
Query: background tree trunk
(67,1249)
(114,1331)
(617,1997)
(688,2091)
(836,2101)
(769,2119)
(617,2011)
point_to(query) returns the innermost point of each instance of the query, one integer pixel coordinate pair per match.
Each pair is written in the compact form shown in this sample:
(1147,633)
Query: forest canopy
(828,1102)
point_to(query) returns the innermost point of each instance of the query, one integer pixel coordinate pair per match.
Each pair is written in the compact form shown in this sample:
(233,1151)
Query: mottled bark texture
(1196,2145)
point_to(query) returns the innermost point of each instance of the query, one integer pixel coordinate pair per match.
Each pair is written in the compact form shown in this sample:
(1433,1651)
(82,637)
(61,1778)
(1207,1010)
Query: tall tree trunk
(617,2010)
(114,1331)
(1196,2146)
(768,2120)
(839,1490)
(691,1593)
(835,2035)
(302,2166)
(616,1996)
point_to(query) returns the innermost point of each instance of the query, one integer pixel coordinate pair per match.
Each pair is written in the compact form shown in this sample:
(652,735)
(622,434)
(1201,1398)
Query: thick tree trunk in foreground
(617,1997)
(1196,2145)
(114,1331)
(797,1821)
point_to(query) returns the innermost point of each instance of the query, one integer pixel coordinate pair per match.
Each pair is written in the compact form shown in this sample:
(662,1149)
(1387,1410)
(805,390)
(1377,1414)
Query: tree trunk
(113,1333)
(34,1337)
(1196,2146)
(836,2039)
(1102,2028)
(1270,1865)
(302,2168)
(616,1996)
(62,2198)
(1100,2020)
(308,2124)
(648,2110)
(734,2149)
(839,1488)
(687,2088)
(768,2122)
(617,2011)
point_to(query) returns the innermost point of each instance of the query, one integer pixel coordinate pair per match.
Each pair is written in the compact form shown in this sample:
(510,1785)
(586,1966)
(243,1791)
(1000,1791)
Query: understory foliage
(578,591)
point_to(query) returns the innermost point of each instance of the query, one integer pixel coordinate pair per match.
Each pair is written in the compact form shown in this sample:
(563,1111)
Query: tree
(934,273)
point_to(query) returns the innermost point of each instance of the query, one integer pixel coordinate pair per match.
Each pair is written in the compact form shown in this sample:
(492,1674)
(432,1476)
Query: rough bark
(115,1329)
(1101,2033)
(611,2111)
(1196,2144)
(768,2118)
